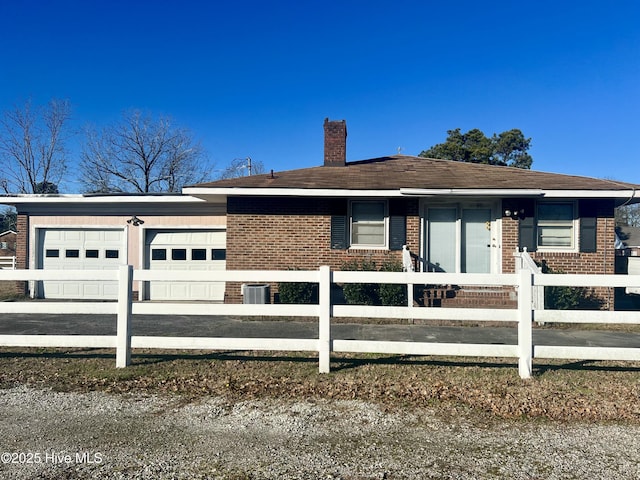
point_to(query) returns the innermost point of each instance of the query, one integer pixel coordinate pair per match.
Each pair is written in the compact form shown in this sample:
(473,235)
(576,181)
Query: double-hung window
(556,225)
(368,224)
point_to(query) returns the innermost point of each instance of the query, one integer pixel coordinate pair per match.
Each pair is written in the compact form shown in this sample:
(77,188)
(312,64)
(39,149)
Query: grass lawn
(482,388)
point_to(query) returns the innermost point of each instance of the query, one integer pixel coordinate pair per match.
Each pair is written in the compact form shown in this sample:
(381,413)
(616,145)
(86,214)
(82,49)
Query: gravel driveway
(48,435)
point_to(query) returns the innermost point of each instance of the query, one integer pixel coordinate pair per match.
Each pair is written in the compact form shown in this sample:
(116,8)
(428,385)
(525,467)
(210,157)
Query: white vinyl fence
(525,314)
(8,263)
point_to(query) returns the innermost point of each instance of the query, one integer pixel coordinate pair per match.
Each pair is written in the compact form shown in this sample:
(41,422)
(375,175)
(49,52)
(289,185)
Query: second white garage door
(195,250)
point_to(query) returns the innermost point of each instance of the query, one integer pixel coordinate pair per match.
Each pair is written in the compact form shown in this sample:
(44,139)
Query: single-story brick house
(454,217)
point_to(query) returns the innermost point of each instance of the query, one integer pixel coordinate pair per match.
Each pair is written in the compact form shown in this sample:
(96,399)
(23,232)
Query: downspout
(633,194)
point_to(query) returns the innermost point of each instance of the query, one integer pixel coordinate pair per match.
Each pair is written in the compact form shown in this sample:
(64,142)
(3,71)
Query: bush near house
(298,292)
(568,298)
(374,293)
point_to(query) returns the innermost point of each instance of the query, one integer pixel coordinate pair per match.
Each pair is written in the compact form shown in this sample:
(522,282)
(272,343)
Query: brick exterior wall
(22,251)
(285,233)
(602,261)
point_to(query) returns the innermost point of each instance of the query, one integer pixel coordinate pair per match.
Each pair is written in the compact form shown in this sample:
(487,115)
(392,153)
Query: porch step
(455,296)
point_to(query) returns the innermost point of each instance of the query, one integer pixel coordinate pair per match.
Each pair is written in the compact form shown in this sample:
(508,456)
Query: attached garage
(189,249)
(80,249)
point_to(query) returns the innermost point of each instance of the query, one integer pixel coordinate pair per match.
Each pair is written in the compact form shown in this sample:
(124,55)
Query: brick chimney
(335,143)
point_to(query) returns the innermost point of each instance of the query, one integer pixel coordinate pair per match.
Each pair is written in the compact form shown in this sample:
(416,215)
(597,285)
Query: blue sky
(257,79)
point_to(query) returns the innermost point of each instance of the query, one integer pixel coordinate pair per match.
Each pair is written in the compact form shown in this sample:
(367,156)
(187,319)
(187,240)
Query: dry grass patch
(482,388)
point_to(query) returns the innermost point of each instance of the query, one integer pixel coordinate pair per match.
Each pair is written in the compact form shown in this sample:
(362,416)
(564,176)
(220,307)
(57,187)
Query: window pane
(555,211)
(111,254)
(199,254)
(158,254)
(367,226)
(91,254)
(179,254)
(218,254)
(368,211)
(555,225)
(555,236)
(52,253)
(368,234)
(72,253)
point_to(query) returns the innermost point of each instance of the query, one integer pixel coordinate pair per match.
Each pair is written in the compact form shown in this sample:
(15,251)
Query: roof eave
(625,196)
(204,192)
(37,199)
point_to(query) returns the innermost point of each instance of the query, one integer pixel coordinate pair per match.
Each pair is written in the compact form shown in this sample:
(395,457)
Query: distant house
(8,243)
(628,241)
(454,217)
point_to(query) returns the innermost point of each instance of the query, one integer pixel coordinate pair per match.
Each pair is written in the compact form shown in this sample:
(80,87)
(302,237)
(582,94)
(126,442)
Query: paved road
(209,326)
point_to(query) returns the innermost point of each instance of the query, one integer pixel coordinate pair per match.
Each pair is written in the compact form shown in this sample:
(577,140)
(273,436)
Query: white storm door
(458,239)
(476,240)
(441,239)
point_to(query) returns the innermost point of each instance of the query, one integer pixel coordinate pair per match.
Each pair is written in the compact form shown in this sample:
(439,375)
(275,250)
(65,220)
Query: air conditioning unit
(256,294)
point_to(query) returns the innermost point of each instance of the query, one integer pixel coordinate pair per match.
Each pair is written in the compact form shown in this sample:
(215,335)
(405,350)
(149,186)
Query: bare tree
(32,146)
(239,167)
(141,154)
(628,215)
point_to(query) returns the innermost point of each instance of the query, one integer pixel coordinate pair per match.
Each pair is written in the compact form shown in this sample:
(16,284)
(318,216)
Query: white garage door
(195,250)
(80,249)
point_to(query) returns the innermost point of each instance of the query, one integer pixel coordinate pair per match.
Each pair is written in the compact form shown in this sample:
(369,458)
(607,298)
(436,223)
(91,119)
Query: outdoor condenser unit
(256,294)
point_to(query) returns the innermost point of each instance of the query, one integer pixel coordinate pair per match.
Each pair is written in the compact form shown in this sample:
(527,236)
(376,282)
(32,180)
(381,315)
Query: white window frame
(573,224)
(385,226)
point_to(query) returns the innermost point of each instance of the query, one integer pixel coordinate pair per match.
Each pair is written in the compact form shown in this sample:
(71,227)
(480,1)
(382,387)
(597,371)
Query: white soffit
(107,199)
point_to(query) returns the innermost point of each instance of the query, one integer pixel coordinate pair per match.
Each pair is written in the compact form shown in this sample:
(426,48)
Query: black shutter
(397,232)
(588,234)
(527,234)
(339,232)
(588,210)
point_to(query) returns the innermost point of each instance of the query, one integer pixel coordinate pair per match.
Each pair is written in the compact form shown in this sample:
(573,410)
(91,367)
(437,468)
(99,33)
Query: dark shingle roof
(399,171)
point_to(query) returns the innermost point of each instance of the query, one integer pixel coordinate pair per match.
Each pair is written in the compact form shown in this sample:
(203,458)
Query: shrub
(392,294)
(298,292)
(568,298)
(361,293)
(374,293)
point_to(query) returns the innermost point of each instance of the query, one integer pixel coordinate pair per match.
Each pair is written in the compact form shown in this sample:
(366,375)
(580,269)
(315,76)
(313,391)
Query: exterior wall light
(135,221)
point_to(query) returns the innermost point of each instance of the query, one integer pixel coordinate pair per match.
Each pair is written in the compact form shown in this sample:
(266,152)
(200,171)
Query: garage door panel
(71,289)
(185,251)
(91,290)
(80,249)
(72,235)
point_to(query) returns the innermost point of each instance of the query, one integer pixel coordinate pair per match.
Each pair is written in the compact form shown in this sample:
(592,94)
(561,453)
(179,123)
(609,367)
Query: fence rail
(525,283)
(8,263)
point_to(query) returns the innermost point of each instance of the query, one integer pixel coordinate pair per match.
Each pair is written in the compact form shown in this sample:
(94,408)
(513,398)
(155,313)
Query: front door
(476,240)
(458,239)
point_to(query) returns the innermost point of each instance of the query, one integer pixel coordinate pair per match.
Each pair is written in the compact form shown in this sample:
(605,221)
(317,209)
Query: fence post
(123,329)
(525,325)
(324,320)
